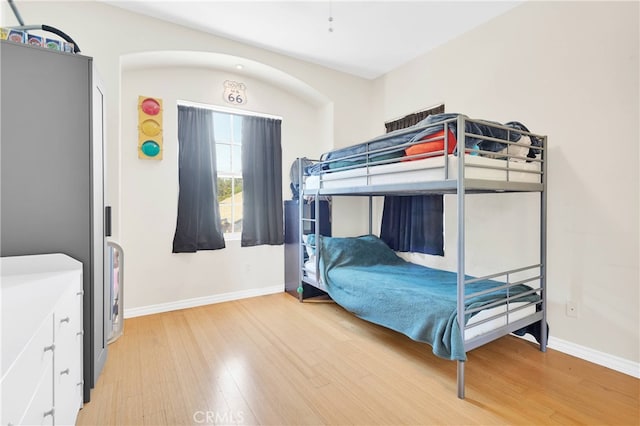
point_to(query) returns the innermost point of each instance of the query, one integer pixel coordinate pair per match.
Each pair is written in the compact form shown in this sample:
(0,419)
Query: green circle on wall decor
(150,148)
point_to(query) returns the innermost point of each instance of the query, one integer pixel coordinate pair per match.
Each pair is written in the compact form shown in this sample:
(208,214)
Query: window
(228,136)
(229,177)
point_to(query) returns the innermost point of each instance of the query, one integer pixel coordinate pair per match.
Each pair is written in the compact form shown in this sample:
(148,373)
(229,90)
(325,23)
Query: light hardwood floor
(272,360)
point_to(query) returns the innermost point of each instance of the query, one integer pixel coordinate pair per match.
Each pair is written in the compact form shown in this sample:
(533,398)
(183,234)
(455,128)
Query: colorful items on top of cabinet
(35,40)
(21,36)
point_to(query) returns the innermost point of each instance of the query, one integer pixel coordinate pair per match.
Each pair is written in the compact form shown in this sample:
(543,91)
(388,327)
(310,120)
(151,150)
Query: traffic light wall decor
(149,128)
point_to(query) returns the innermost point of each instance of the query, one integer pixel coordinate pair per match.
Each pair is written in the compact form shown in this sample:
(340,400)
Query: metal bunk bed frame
(460,186)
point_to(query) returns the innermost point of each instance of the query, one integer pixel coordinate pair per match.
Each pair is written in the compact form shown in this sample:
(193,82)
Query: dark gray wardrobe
(52,168)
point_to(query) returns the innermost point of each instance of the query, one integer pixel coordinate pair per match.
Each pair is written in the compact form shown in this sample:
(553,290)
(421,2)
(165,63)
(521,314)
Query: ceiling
(365,38)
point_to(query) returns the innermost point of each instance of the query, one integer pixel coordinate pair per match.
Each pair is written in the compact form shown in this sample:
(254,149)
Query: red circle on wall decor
(150,106)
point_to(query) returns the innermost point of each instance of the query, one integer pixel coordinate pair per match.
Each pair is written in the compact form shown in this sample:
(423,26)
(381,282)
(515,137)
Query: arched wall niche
(223,62)
(148,189)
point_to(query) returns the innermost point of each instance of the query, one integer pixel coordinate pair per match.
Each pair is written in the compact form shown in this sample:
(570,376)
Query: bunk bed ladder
(460,197)
(302,221)
(301,247)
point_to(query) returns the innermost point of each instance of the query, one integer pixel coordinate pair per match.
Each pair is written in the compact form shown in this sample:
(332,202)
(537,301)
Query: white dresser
(42,335)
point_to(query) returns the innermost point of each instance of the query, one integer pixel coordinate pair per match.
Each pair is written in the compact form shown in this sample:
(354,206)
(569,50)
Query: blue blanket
(393,143)
(366,277)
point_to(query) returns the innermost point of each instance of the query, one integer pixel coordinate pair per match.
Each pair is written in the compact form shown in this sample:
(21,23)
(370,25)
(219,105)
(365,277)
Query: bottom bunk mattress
(366,277)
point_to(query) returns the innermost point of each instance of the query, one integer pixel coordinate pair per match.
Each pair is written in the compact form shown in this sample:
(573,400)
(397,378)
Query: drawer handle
(80,383)
(49,348)
(80,333)
(64,372)
(80,293)
(66,319)
(49,413)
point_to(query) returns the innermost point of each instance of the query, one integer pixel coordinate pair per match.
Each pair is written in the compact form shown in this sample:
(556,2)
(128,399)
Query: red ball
(150,106)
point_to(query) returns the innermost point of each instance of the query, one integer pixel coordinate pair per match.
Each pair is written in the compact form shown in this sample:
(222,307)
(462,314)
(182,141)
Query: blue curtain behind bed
(413,223)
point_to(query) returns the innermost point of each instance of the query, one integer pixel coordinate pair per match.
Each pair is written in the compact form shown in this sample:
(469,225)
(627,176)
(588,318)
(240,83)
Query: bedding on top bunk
(366,277)
(393,144)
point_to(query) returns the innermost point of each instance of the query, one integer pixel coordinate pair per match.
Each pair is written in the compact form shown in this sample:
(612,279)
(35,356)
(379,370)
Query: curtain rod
(227,109)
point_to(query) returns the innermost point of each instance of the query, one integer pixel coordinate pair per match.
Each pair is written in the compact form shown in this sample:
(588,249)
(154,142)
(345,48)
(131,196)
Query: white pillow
(306,246)
(310,263)
(520,150)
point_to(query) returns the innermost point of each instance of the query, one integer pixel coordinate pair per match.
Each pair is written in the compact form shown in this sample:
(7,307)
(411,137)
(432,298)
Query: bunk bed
(450,310)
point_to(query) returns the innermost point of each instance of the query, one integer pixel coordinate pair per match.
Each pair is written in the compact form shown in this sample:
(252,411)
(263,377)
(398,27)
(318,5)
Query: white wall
(143,193)
(568,70)
(149,194)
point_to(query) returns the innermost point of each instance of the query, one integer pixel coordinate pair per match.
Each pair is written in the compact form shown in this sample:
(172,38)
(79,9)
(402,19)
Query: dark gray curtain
(262,182)
(413,223)
(198,224)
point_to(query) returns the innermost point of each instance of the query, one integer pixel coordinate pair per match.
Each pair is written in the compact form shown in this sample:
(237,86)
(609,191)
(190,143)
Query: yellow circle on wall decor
(150,127)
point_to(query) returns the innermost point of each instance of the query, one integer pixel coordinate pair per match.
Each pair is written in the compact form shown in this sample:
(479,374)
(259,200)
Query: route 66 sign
(234,92)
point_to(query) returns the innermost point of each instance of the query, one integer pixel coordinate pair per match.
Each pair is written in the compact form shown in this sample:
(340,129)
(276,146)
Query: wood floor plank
(274,361)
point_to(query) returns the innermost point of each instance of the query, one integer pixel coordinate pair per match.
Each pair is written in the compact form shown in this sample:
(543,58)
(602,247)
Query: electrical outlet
(572,309)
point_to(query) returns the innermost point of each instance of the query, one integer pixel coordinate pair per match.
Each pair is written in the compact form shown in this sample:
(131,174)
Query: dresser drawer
(41,411)
(69,349)
(68,356)
(68,328)
(34,363)
(68,400)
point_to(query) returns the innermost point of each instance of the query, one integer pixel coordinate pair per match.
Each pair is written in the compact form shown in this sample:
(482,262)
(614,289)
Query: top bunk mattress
(504,155)
(427,170)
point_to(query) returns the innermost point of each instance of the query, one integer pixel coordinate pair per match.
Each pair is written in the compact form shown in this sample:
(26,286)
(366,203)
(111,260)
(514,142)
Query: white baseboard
(601,358)
(200,301)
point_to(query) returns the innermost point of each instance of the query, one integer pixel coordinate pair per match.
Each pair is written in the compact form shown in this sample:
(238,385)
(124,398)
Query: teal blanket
(366,277)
